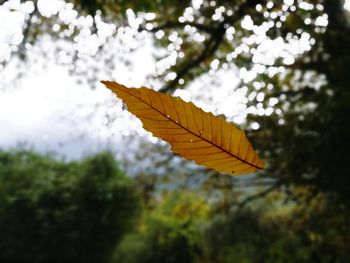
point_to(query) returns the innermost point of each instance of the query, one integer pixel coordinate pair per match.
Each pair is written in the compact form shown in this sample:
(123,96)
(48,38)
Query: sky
(48,109)
(43,107)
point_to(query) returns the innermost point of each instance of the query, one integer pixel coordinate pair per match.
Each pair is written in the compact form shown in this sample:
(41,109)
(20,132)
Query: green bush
(85,211)
(251,236)
(169,233)
(55,211)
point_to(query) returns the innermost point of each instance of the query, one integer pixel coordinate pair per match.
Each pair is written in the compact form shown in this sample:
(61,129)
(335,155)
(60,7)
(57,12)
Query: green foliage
(199,235)
(168,233)
(53,211)
(161,242)
(84,211)
(247,237)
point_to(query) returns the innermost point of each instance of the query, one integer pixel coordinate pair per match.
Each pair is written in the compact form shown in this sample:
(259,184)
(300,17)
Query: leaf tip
(261,165)
(110,85)
(105,82)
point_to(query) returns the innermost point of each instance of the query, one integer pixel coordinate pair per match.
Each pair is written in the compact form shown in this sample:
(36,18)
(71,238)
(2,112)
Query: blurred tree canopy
(88,211)
(292,57)
(54,211)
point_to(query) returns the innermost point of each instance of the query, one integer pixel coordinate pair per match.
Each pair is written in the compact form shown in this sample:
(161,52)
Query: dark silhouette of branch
(176,24)
(26,31)
(210,46)
(316,65)
(307,91)
(336,13)
(261,194)
(209,49)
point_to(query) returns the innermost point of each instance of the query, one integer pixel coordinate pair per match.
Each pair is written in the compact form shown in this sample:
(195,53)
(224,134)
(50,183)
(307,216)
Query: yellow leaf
(192,133)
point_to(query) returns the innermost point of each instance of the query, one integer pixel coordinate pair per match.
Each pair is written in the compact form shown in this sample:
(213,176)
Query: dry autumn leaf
(192,133)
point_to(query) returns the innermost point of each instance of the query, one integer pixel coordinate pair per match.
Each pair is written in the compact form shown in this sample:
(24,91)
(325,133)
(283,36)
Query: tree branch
(260,194)
(211,46)
(336,13)
(175,24)
(209,49)
(21,48)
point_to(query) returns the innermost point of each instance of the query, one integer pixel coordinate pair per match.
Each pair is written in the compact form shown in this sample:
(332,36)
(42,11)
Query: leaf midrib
(178,123)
